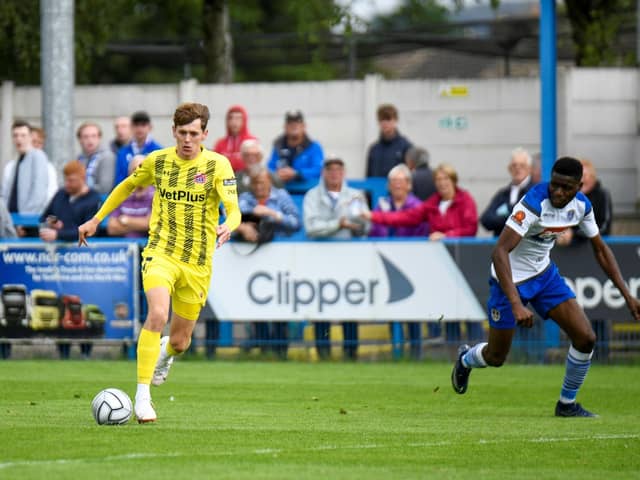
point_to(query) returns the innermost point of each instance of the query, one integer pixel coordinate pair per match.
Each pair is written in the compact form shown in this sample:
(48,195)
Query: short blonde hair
(448,170)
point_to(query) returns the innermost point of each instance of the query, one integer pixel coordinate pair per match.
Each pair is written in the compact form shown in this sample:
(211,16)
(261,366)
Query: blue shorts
(544,291)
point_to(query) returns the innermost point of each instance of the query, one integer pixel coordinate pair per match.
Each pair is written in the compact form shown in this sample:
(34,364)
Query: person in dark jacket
(70,207)
(599,197)
(391,147)
(417,159)
(495,215)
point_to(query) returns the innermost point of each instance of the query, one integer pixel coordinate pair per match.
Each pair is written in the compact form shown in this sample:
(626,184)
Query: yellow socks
(148,351)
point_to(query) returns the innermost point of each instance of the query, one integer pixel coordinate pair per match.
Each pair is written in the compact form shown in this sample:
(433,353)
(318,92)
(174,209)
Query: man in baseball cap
(295,156)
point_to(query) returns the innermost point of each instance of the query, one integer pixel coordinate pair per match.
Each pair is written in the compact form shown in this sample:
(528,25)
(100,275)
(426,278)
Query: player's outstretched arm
(507,241)
(609,265)
(86,230)
(115,198)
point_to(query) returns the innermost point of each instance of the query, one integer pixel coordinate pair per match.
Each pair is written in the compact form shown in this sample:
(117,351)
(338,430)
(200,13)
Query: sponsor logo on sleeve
(519,217)
(229,182)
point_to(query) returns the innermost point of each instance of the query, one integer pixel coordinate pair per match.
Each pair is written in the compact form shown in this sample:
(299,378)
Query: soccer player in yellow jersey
(190,183)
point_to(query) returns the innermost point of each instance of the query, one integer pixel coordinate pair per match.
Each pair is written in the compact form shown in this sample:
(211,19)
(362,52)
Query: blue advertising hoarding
(62,289)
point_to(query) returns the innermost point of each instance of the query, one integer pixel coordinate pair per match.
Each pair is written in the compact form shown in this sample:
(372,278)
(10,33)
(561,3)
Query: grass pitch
(250,420)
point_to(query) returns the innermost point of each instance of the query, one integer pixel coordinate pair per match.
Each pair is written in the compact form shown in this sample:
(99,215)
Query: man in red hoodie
(237,132)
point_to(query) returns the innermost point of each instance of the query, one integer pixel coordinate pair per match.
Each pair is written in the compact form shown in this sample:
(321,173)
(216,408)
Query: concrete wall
(600,122)
(597,108)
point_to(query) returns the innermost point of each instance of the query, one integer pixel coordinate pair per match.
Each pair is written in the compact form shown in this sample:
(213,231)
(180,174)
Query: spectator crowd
(423,201)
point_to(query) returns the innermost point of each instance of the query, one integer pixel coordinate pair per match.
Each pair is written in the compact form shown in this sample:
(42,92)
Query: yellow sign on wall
(454,91)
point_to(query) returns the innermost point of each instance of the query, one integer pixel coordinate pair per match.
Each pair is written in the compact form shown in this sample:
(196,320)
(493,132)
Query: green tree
(151,41)
(20,41)
(410,15)
(216,41)
(594,28)
(282,39)
(595,25)
(95,20)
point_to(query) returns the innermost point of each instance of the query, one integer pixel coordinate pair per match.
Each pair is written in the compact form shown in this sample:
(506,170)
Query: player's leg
(492,353)
(190,293)
(484,354)
(183,321)
(158,278)
(572,319)
(149,349)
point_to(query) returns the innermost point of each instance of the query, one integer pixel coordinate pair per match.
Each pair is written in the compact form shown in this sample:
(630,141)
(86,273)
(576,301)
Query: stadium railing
(617,333)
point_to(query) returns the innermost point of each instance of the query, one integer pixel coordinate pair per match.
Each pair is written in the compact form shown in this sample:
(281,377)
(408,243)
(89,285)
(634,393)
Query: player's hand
(634,308)
(223,233)
(565,238)
(86,230)
(523,316)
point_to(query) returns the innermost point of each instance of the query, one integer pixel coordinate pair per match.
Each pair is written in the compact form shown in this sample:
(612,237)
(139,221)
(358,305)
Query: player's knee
(179,343)
(157,316)
(586,343)
(494,359)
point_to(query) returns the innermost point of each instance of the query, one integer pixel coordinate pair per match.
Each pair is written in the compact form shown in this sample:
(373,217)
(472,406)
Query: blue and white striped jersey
(540,223)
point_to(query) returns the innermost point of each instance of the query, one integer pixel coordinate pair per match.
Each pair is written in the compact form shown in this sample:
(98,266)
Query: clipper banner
(336,281)
(64,290)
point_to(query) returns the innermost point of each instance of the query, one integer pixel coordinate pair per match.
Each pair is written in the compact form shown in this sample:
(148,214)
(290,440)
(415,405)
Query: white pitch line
(319,448)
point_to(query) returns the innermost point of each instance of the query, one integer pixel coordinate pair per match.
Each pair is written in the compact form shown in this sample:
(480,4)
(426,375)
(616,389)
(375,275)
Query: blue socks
(578,364)
(473,358)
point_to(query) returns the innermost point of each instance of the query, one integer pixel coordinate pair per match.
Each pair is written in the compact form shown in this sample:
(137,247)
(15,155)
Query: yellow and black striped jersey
(185,209)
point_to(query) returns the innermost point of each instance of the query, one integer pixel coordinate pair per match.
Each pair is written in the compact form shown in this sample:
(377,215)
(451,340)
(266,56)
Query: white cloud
(367,9)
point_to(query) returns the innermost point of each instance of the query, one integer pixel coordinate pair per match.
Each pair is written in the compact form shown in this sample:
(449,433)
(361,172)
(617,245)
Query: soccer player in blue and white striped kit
(522,273)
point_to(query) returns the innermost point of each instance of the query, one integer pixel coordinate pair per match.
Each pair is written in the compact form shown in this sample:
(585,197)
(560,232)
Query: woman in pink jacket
(450,212)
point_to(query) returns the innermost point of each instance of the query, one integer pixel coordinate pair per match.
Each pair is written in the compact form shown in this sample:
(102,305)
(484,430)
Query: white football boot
(163,364)
(144,410)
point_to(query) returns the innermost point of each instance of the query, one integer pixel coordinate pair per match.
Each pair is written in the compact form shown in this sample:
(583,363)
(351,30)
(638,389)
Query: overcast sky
(368,8)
